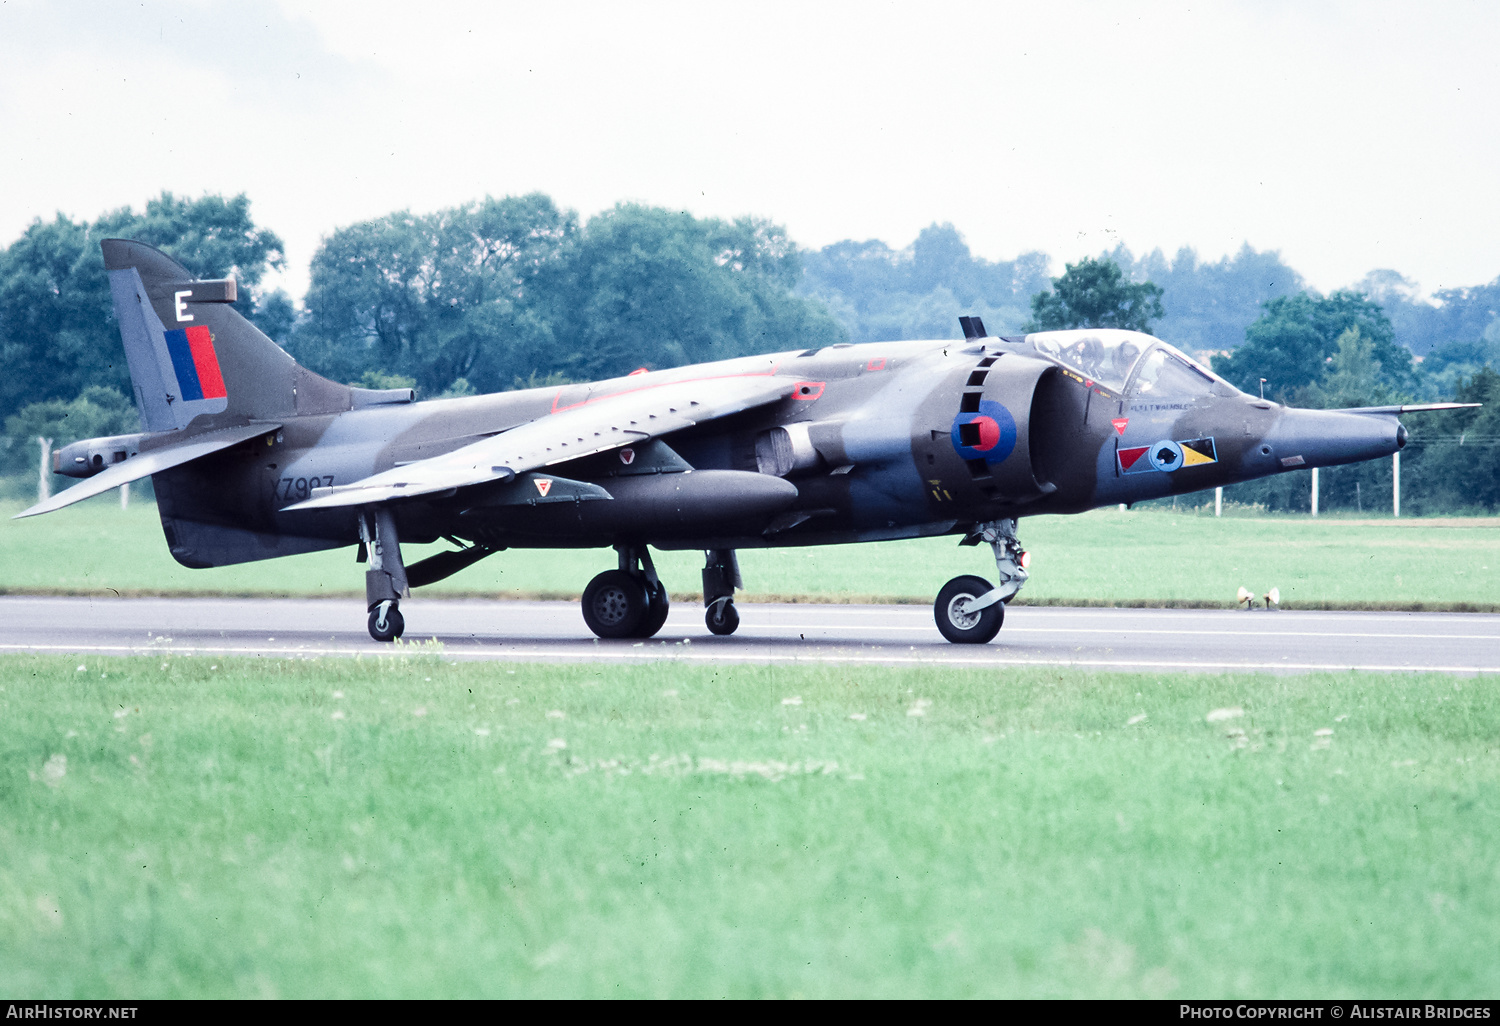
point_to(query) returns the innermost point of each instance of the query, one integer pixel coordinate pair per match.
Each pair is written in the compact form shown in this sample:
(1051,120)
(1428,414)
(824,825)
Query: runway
(1103,639)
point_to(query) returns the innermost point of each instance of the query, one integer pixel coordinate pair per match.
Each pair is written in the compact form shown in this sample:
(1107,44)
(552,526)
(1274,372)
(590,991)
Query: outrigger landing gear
(721,576)
(968,610)
(385,579)
(630,602)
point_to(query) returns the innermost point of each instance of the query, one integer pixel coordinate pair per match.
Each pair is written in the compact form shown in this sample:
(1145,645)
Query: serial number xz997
(290,489)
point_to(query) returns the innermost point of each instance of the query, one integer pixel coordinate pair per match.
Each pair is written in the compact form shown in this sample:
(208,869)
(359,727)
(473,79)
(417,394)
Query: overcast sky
(1350,136)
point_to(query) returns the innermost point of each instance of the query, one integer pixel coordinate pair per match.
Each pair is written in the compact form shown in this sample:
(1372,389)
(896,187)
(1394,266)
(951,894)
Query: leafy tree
(1354,377)
(1293,343)
(98,411)
(1458,457)
(57,332)
(1446,367)
(469,292)
(878,293)
(1094,294)
(1423,323)
(660,288)
(1209,305)
(503,292)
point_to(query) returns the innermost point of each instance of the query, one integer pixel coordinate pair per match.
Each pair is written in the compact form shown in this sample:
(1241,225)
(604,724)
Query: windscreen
(1167,372)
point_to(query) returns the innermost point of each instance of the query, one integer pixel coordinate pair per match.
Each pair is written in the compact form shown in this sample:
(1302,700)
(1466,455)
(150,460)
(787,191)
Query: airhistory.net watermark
(59,1010)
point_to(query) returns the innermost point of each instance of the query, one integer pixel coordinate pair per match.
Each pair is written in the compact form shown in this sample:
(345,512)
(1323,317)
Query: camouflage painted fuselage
(876,441)
(254,456)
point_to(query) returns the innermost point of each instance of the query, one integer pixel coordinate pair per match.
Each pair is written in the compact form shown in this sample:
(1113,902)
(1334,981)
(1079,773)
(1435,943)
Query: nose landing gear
(968,610)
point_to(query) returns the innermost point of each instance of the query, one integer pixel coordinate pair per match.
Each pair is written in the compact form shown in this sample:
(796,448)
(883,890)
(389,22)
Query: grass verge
(1146,557)
(402,827)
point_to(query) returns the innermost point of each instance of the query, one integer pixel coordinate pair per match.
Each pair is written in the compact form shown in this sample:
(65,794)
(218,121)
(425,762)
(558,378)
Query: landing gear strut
(968,610)
(385,579)
(630,602)
(721,576)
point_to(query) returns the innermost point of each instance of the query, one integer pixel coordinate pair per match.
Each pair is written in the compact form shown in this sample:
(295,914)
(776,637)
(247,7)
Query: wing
(152,462)
(1411,408)
(609,422)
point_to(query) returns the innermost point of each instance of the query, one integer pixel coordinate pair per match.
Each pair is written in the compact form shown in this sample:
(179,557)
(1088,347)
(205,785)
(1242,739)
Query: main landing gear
(385,579)
(630,602)
(968,610)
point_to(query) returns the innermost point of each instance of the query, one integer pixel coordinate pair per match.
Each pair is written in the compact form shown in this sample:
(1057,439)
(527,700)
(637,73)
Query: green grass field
(406,827)
(1145,556)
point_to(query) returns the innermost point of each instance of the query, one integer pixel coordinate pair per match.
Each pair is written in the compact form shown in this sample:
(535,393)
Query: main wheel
(967,628)
(386,622)
(615,604)
(656,616)
(722,618)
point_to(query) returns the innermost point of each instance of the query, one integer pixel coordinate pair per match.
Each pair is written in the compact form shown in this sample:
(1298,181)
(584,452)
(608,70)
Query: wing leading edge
(609,422)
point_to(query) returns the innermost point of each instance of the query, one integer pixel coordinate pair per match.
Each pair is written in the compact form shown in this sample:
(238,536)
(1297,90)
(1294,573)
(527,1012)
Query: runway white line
(659,655)
(1195,632)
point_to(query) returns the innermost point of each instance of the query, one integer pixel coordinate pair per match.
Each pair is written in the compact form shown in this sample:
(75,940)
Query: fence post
(1315,492)
(1395,484)
(43,480)
(125,495)
(1219,501)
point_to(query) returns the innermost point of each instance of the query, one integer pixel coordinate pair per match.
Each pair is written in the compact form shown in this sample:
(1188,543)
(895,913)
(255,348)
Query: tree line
(510,292)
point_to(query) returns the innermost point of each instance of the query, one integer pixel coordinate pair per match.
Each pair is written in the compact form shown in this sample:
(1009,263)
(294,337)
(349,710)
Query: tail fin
(193,359)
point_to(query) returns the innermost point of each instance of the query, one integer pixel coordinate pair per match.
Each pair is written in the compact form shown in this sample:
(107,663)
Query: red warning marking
(808,390)
(638,370)
(1119,423)
(1128,457)
(876,364)
(627,456)
(544,485)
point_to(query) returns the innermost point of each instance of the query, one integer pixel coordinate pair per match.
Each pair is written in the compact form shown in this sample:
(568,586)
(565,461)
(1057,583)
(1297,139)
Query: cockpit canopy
(1130,361)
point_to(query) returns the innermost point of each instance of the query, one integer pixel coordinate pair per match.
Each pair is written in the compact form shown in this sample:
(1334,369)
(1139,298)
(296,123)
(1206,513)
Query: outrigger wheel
(722,618)
(616,605)
(386,621)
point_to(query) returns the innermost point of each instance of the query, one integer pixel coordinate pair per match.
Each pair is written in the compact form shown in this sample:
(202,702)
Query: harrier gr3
(253,456)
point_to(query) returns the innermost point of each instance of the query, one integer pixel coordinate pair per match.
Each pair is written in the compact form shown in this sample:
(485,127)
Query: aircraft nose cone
(1325,438)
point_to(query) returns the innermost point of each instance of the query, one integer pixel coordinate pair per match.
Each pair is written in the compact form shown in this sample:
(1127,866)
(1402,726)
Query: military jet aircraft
(253,456)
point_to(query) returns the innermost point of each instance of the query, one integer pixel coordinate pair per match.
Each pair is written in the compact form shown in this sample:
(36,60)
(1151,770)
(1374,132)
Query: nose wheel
(956,622)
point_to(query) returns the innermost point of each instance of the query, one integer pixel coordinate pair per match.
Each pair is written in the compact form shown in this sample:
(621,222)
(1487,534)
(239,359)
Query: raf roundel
(989,434)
